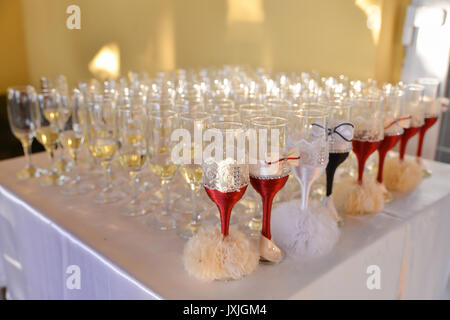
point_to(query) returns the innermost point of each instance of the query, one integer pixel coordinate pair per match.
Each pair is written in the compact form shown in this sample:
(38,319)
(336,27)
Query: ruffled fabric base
(403,176)
(356,199)
(208,256)
(304,233)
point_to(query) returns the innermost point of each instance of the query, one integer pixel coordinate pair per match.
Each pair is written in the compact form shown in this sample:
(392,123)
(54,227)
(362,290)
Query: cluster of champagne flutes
(130,121)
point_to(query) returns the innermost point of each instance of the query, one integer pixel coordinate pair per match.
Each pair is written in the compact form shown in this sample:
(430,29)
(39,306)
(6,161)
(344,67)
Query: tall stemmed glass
(225,174)
(431,112)
(308,141)
(194,122)
(131,126)
(103,143)
(340,135)
(269,172)
(253,224)
(368,122)
(393,109)
(161,124)
(21,106)
(72,138)
(47,131)
(414,108)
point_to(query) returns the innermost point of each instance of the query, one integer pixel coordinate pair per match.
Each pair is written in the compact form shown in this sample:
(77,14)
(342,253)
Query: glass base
(426,173)
(163,222)
(188,230)
(28,172)
(109,196)
(72,189)
(63,165)
(135,209)
(48,179)
(388,197)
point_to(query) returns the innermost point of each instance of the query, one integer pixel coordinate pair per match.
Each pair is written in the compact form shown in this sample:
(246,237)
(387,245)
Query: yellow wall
(330,36)
(13,61)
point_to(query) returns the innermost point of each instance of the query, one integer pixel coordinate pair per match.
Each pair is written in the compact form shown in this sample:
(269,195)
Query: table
(43,233)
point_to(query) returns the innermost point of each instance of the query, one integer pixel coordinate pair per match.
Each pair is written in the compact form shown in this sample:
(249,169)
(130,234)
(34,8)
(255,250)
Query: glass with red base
(431,113)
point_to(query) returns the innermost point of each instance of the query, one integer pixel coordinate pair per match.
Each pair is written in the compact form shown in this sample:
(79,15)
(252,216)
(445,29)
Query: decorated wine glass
(340,135)
(269,172)
(309,142)
(21,106)
(393,116)
(368,122)
(414,108)
(225,175)
(431,112)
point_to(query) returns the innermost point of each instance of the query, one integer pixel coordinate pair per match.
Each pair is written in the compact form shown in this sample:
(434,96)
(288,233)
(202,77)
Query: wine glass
(161,124)
(21,106)
(368,122)
(309,142)
(103,143)
(431,112)
(47,131)
(393,109)
(72,137)
(192,172)
(340,134)
(269,172)
(414,109)
(132,148)
(225,174)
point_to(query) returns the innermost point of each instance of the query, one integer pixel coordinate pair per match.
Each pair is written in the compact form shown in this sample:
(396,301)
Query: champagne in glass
(103,143)
(191,172)
(161,125)
(72,137)
(132,152)
(47,132)
(21,107)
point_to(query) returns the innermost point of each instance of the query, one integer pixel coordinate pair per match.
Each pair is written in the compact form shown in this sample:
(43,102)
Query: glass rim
(158,114)
(21,87)
(272,121)
(190,115)
(220,125)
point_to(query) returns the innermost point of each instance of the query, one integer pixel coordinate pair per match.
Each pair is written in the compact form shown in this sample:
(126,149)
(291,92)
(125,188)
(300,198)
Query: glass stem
(135,180)
(27,151)
(165,189)
(195,214)
(52,158)
(108,177)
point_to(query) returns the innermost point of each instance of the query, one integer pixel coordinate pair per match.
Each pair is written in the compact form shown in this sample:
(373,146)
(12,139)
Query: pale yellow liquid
(52,115)
(103,149)
(72,142)
(132,161)
(47,137)
(164,171)
(192,174)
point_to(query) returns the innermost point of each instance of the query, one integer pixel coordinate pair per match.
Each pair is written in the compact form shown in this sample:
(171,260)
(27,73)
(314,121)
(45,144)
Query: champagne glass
(131,125)
(431,112)
(192,172)
(62,88)
(103,143)
(367,119)
(72,138)
(47,132)
(268,174)
(414,108)
(309,141)
(393,108)
(21,106)
(161,125)
(225,174)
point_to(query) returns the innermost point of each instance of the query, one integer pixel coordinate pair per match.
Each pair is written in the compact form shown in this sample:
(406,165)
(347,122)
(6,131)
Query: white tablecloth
(43,233)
